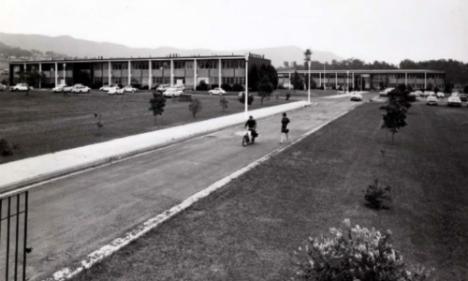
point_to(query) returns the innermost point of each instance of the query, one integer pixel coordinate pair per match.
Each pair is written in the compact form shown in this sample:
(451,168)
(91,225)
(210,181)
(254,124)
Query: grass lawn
(249,229)
(46,122)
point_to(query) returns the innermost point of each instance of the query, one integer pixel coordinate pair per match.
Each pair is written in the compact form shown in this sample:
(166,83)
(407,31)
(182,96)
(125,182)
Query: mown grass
(45,122)
(249,230)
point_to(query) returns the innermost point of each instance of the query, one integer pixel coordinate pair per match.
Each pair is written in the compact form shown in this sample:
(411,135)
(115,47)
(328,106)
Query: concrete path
(75,215)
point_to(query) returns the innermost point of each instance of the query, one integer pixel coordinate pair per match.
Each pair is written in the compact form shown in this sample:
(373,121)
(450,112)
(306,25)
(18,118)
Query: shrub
(237,88)
(157,104)
(223,102)
(226,87)
(394,118)
(5,148)
(465,90)
(378,197)
(195,107)
(250,98)
(202,86)
(354,253)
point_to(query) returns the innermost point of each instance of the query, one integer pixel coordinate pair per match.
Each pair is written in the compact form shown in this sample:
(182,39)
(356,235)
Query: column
(406,78)
(56,74)
(65,73)
(195,74)
(172,73)
(109,73)
(40,75)
(336,80)
(320,79)
(219,74)
(129,78)
(353,80)
(425,80)
(150,74)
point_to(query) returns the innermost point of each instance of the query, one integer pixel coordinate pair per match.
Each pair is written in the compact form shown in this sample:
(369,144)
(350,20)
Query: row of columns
(150,72)
(352,74)
(129,75)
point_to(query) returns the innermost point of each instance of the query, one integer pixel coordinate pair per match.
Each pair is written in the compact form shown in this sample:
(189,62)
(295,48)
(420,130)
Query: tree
(394,118)
(223,102)
(265,88)
(157,104)
(195,106)
(297,81)
(202,86)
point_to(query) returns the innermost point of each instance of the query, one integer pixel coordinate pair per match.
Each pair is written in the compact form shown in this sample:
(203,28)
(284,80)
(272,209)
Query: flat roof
(360,71)
(124,59)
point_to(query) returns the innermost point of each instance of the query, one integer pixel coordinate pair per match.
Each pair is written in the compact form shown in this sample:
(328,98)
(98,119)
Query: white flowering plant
(354,254)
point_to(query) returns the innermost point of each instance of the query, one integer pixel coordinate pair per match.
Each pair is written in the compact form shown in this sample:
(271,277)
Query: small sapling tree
(378,197)
(195,106)
(223,102)
(157,104)
(394,118)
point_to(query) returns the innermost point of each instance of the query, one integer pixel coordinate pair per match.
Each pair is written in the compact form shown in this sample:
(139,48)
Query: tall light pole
(307,54)
(246,92)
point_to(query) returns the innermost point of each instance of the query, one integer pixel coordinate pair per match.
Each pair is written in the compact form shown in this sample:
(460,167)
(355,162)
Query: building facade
(367,79)
(138,72)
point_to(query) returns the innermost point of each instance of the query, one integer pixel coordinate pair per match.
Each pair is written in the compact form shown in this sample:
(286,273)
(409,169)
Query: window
(179,64)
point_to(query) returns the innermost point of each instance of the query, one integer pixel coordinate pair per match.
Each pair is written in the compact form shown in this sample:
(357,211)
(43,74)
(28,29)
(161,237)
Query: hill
(74,47)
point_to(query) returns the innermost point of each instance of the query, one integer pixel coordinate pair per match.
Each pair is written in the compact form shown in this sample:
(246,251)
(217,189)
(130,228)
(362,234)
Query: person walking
(284,128)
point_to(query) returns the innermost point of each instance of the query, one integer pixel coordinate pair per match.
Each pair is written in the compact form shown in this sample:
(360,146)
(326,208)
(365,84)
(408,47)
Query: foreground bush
(354,253)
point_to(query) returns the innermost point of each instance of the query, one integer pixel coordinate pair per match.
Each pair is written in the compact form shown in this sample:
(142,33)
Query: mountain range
(73,47)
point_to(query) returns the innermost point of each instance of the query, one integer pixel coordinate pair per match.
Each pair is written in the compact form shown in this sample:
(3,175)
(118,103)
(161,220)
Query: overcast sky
(368,29)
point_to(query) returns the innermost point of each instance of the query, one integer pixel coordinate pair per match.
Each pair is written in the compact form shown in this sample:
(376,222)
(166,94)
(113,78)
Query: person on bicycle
(251,124)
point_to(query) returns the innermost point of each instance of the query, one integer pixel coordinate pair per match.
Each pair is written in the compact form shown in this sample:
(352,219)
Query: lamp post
(246,92)
(307,54)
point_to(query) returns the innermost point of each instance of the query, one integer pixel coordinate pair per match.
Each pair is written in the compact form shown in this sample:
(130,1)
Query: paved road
(71,217)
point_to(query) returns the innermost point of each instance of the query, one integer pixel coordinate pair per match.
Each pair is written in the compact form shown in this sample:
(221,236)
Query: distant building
(366,79)
(139,72)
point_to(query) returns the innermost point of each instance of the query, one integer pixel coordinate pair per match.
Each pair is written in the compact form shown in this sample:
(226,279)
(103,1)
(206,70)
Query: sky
(389,30)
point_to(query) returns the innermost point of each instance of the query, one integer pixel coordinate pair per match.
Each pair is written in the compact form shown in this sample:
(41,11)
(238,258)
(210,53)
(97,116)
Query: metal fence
(13,235)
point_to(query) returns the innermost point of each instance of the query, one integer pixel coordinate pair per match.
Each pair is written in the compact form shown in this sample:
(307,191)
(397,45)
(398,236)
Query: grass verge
(249,229)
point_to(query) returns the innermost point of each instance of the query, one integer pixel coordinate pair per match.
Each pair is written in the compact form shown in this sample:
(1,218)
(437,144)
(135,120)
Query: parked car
(173,92)
(115,90)
(59,89)
(217,91)
(385,92)
(21,87)
(105,88)
(356,97)
(162,87)
(3,87)
(67,89)
(432,100)
(454,100)
(80,88)
(463,97)
(440,95)
(129,89)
